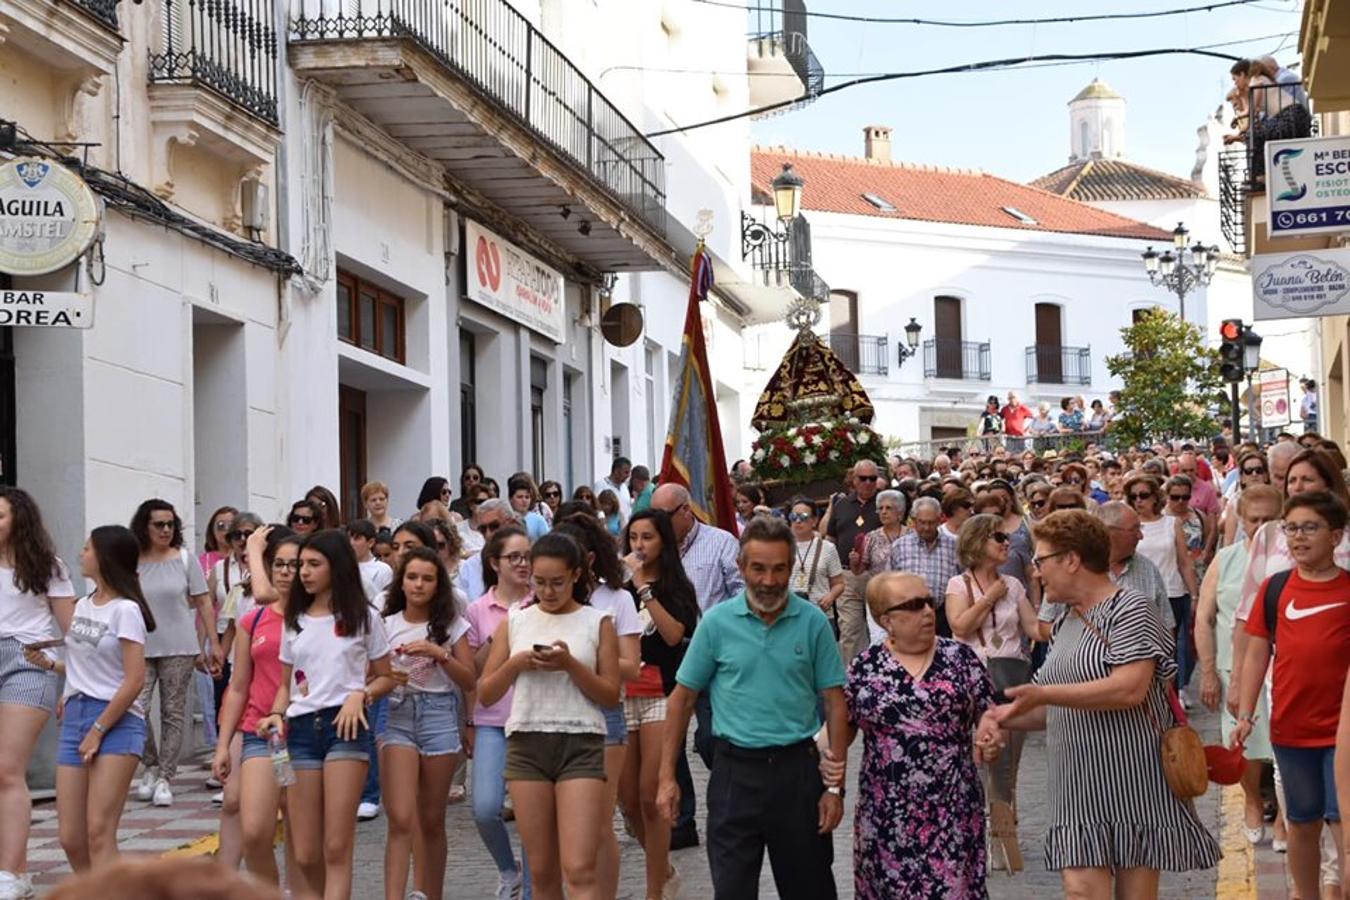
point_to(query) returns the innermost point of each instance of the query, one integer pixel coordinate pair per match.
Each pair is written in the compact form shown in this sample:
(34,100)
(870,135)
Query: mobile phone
(46,645)
(543,648)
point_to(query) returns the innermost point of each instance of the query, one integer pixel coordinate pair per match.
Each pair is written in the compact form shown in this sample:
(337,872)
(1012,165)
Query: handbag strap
(1177,711)
(970,596)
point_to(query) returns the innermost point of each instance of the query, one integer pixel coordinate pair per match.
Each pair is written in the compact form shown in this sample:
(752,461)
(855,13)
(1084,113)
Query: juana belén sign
(1307,283)
(48,216)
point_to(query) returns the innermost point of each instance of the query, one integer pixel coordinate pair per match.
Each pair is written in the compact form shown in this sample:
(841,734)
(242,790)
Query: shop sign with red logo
(505,278)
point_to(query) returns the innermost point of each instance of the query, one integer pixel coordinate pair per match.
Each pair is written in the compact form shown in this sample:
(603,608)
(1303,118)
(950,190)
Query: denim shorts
(254,747)
(22,683)
(312,740)
(1309,780)
(425,721)
(616,727)
(127,737)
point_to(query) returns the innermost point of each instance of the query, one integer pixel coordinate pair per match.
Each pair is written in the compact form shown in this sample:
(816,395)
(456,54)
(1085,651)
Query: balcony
(105,11)
(955,359)
(225,46)
(784,257)
(1053,364)
(862,354)
(1242,175)
(473,86)
(781,65)
(77,40)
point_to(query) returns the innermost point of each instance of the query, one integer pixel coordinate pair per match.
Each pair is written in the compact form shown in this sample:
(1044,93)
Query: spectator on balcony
(1291,85)
(1016,415)
(1042,425)
(1070,417)
(1100,418)
(1241,74)
(991,421)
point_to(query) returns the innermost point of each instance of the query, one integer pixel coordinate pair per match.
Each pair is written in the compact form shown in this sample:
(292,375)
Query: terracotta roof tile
(1116,179)
(926,193)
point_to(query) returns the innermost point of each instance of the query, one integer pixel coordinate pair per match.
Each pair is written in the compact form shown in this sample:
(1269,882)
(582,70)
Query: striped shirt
(936,564)
(709,557)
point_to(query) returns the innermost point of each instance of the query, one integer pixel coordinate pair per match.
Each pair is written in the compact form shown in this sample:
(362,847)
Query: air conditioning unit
(253,200)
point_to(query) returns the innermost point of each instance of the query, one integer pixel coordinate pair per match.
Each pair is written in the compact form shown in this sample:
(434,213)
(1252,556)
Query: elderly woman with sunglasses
(1251,469)
(918,699)
(991,613)
(1100,697)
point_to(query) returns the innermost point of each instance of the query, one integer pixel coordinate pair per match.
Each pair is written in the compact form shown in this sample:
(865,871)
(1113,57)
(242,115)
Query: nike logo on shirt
(1293,613)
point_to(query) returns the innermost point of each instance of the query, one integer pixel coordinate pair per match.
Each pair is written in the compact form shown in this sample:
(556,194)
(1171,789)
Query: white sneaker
(145,788)
(213,783)
(367,811)
(15,887)
(416,895)
(218,798)
(509,886)
(162,796)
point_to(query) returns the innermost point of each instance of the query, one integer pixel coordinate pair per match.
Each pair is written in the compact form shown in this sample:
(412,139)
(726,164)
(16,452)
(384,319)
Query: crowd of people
(546,658)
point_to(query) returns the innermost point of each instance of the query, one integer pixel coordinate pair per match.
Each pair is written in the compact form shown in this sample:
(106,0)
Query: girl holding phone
(562,657)
(37,601)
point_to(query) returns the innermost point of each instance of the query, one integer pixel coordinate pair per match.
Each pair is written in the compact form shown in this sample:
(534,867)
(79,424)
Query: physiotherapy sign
(1308,185)
(48,216)
(1306,283)
(505,278)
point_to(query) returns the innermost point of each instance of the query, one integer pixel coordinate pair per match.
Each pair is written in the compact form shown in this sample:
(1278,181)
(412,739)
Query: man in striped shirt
(709,555)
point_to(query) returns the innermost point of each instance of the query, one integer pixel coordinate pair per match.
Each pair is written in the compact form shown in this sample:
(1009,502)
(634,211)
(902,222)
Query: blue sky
(1015,123)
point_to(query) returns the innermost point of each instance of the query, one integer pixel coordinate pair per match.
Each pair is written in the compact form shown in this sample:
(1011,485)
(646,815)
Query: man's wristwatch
(837,790)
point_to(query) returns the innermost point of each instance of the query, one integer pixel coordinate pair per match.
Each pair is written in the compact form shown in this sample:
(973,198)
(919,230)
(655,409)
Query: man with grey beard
(765,656)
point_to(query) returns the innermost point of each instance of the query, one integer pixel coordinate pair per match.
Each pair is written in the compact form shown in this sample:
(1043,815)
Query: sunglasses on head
(300,519)
(914,605)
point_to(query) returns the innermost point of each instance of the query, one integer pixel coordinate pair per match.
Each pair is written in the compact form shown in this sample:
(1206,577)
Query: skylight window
(1020,216)
(880,202)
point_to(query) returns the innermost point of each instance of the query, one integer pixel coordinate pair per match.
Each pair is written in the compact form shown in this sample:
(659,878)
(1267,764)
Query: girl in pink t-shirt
(243,762)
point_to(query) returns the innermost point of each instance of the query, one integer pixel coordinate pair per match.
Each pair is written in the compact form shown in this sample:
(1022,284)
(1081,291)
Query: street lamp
(787,194)
(1181,269)
(912,331)
(1251,362)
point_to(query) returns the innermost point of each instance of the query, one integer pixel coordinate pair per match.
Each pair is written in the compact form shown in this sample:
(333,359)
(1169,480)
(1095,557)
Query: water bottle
(281,759)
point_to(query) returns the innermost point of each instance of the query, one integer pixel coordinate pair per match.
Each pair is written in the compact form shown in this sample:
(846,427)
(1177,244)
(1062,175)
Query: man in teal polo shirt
(765,656)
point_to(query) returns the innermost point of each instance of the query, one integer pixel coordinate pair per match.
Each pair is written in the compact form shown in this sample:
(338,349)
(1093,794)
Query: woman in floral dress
(919,829)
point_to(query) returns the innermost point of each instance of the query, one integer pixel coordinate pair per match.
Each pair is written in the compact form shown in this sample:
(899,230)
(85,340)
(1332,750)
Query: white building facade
(1013,288)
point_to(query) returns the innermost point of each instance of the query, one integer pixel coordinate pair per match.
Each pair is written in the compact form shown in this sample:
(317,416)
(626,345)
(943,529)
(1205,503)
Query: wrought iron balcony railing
(784,22)
(105,11)
(783,255)
(1053,364)
(1275,112)
(863,354)
(962,360)
(510,63)
(227,46)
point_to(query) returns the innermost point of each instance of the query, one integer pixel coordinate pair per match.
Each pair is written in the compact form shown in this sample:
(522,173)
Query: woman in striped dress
(1101,698)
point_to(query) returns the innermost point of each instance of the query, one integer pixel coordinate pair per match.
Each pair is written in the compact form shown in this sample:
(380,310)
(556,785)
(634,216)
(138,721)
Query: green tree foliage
(1171,381)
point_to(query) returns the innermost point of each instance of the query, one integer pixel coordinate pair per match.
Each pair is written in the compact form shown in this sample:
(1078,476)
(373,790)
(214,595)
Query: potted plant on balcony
(813,419)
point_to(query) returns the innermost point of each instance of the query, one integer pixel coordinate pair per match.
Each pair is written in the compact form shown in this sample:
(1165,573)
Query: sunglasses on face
(1000,537)
(1037,504)
(489,527)
(1259,470)
(799,517)
(240,535)
(442,546)
(445,492)
(222,525)
(1178,498)
(915,605)
(1135,498)
(163,525)
(552,495)
(300,519)
(864,478)
(1074,480)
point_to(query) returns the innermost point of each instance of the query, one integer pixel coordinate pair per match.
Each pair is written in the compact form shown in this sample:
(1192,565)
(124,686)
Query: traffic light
(1231,332)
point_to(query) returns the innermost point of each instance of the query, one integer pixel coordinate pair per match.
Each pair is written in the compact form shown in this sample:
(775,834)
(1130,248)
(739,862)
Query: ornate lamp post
(1181,269)
(911,345)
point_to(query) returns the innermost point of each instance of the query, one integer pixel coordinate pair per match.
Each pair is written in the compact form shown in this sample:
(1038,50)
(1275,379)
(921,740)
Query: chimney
(877,143)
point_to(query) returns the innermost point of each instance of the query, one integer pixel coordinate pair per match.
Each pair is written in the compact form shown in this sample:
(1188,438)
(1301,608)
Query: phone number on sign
(1312,218)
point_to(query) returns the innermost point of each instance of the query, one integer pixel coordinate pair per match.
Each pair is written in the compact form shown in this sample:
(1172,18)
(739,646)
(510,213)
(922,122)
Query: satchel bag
(1183,753)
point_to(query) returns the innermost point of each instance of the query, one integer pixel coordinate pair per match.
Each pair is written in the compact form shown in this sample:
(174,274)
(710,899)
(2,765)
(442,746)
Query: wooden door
(352,450)
(1049,341)
(947,336)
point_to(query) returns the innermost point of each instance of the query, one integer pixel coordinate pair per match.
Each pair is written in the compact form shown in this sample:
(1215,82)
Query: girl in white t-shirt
(332,638)
(36,598)
(421,746)
(103,724)
(562,657)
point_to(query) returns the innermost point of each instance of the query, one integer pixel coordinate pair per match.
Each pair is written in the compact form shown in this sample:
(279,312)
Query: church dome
(1097,90)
